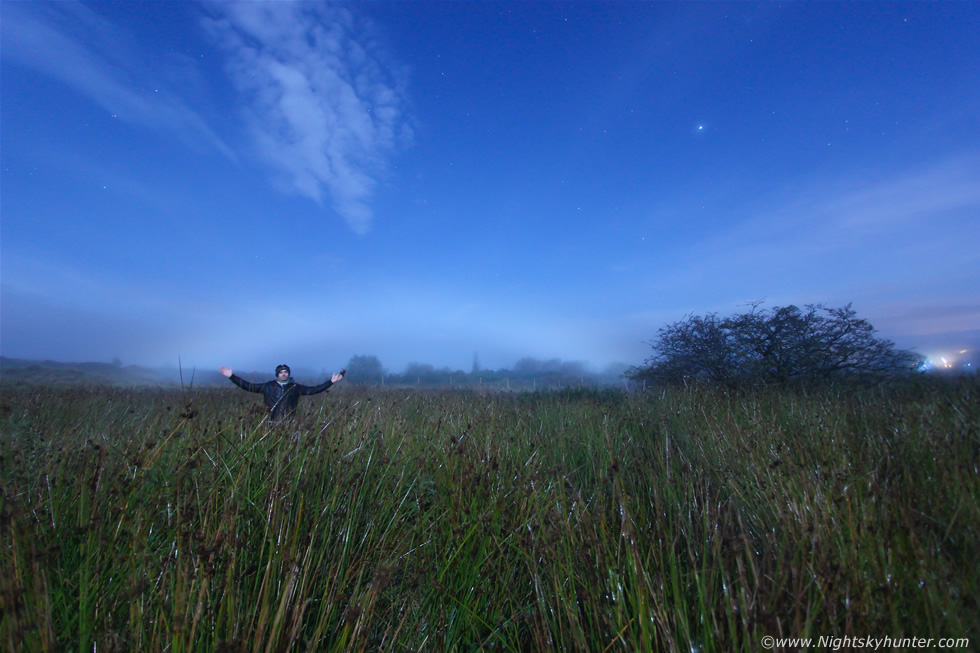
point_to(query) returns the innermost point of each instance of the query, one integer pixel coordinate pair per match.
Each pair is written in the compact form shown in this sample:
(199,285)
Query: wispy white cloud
(69,42)
(322,104)
(843,211)
(925,318)
(841,236)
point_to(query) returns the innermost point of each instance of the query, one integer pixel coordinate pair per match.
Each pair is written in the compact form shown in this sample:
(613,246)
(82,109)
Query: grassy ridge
(459,521)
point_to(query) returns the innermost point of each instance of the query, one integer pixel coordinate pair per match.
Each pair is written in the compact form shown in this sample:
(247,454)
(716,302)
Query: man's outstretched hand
(226,371)
(338,376)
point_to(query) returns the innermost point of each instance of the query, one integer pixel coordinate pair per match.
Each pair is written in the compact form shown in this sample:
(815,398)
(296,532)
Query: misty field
(392,520)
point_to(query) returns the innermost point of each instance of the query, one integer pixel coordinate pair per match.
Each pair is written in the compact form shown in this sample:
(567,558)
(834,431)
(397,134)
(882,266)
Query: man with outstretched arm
(281,394)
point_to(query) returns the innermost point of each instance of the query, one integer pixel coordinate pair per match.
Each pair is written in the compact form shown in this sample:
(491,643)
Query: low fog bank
(526,373)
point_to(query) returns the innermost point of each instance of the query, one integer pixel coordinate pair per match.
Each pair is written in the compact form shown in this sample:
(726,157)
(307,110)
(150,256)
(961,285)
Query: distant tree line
(527,373)
(778,345)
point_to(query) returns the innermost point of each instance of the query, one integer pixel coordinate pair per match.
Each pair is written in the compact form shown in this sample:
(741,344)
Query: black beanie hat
(282,367)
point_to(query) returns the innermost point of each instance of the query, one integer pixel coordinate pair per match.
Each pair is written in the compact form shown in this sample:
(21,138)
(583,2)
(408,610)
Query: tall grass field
(406,520)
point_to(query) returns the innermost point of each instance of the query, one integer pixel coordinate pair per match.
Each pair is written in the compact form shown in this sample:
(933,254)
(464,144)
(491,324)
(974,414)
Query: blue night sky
(248,183)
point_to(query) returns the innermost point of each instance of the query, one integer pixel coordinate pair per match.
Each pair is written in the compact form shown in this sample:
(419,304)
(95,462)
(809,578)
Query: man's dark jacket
(281,398)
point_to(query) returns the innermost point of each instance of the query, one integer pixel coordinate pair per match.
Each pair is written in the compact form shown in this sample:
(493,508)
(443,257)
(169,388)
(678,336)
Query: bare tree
(777,345)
